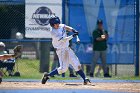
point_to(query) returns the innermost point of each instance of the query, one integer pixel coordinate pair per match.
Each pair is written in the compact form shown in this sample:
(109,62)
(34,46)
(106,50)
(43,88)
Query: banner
(37,14)
(118,19)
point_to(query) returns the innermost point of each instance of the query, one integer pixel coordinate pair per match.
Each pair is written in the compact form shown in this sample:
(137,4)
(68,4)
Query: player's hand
(75,31)
(75,34)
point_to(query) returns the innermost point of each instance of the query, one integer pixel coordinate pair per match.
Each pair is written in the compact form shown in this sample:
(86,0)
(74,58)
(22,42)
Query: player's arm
(61,38)
(70,29)
(96,37)
(6,56)
(102,39)
(105,38)
(99,39)
(106,35)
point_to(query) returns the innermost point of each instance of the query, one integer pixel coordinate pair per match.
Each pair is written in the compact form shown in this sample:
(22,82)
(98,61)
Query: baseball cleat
(86,81)
(45,78)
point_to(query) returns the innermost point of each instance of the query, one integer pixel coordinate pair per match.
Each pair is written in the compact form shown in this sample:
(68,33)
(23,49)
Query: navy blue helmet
(54,20)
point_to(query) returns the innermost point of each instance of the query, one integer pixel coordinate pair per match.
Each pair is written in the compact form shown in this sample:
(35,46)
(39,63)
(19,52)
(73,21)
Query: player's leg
(71,71)
(54,65)
(1,57)
(63,61)
(6,56)
(88,70)
(74,61)
(55,61)
(62,55)
(56,58)
(46,75)
(103,59)
(98,73)
(93,64)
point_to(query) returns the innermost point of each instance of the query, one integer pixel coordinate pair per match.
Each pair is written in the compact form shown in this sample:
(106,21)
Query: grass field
(29,69)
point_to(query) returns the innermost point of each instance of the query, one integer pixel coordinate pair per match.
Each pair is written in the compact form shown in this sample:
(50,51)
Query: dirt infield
(111,86)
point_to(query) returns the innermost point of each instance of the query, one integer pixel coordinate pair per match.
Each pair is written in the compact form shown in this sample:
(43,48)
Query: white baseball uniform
(66,56)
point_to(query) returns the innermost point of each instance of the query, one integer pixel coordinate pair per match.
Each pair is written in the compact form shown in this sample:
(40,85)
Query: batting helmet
(54,20)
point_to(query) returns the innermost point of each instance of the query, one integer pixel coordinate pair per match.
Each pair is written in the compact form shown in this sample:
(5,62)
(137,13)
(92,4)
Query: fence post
(137,39)
(44,56)
(63,11)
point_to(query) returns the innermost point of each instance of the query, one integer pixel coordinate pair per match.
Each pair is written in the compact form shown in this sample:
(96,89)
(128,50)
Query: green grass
(29,69)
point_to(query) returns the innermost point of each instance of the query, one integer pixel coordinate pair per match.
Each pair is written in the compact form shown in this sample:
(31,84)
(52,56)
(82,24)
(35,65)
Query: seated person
(17,52)
(9,65)
(6,63)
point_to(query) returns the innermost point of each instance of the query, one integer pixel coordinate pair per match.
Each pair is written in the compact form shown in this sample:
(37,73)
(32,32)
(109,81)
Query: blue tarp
(118,18)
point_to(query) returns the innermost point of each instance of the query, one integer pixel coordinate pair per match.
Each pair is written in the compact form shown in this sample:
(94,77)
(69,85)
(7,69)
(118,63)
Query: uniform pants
(67,57)
(97,55)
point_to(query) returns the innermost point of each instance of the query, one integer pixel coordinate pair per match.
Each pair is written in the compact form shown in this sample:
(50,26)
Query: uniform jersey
(57,35)
(65,53)
(99,45)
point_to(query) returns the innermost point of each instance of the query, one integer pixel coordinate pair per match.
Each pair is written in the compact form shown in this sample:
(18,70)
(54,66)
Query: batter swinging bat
(77,39)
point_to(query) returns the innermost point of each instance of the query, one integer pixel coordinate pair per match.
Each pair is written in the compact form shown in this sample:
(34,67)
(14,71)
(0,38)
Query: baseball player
(66,56)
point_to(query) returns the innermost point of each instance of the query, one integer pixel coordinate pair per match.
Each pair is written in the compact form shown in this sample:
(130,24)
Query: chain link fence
(12,20)
(29,64)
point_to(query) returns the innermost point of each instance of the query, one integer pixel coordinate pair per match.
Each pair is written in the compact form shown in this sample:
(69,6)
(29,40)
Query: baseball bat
(77,39)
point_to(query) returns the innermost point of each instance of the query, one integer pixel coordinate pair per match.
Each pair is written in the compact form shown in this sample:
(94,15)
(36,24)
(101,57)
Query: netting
(38,55)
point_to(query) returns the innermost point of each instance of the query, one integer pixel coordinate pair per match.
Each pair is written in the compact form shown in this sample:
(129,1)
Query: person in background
(6,63)
(100,36)
(4,56)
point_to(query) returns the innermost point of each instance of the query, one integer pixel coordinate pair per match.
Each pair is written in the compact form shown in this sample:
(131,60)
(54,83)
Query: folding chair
(7,65)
